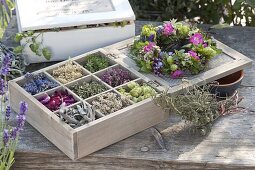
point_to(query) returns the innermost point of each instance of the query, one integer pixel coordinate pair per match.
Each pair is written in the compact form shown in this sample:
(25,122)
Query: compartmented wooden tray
(111,128)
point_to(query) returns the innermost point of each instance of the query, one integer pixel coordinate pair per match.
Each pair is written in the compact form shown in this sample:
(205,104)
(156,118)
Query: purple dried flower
(6,63)
(116,77)
(2,86)
(23,107)
(149,47)
(194,55)
(54,101)
(205,44)
(14,132)
(21,118)
(6,136)
(7,112)
(177,73)
(168,29)
(151,38)
(38,83)
(28,75)
(196,39)
(157,66)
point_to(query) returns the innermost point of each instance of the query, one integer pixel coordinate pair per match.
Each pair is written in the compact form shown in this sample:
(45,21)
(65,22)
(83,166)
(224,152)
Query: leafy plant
(96,62)
(201,11)
(30,39)
(17,66)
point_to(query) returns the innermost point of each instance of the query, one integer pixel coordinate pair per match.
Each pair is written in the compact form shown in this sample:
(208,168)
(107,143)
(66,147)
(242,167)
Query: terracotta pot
(226,86)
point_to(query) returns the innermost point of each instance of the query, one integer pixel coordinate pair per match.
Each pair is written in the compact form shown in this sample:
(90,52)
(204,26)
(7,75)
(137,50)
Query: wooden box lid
(48,14)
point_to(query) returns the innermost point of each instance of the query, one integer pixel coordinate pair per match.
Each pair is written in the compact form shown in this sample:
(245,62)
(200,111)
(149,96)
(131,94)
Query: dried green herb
(109,102)
(196,105)
(88,89)
(78,115)
(67,72)
(96,62)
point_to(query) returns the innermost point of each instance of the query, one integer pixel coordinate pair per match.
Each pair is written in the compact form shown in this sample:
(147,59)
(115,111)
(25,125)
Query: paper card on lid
(47,14)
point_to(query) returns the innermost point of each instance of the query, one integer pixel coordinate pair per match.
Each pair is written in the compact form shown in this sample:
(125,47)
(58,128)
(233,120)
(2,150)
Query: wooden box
(73,27)
(114,127)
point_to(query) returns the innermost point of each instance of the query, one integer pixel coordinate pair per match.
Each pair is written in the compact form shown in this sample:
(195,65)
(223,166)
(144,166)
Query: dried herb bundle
(109,102)
(96,62)
(67,72)
(196,105)
(86,89)
(78,115)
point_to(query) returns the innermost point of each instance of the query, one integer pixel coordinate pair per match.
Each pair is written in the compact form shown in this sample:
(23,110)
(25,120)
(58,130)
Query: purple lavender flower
(168,29)
(20,121)
(23,107)
(6,63)
(194,55)
(7,112)
(6,136)
(149,47)
(14,133)
(2,86)
(196,39)
(177,73)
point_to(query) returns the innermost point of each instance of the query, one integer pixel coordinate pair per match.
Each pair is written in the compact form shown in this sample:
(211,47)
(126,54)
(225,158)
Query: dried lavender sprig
(38,83)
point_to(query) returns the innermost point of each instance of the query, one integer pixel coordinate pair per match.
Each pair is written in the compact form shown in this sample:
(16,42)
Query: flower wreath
(173,49)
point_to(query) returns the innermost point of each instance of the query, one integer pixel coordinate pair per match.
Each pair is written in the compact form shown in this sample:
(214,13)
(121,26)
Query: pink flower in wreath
(149,47)
(196,39)
(194,55)
(177,73)
(168,29)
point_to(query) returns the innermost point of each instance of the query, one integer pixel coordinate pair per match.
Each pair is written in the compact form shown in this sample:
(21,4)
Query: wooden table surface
(230,144)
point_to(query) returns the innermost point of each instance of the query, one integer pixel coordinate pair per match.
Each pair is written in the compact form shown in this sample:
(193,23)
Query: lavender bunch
(116,76)
(38,83)
(8,135)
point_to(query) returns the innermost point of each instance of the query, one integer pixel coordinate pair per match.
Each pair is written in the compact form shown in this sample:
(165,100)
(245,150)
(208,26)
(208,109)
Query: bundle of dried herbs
(78,115)
(196,105)
(116,76)
(137,92)
(109,102)
(38,83)
(68,72)
(96,62)
(88,89)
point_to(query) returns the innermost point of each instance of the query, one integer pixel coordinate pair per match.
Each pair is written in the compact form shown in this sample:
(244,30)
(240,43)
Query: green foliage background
(202,11)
